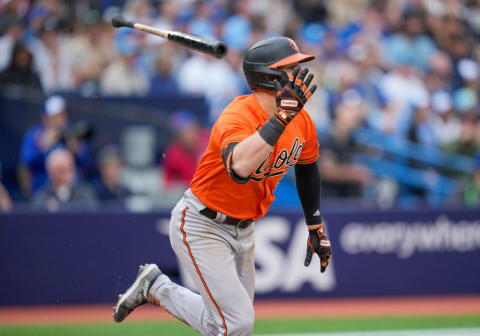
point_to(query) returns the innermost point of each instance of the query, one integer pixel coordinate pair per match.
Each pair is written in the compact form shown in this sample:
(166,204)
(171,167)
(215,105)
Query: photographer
(42,139)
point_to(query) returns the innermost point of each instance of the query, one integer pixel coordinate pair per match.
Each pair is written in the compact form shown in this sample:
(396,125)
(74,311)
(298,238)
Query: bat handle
(151,30)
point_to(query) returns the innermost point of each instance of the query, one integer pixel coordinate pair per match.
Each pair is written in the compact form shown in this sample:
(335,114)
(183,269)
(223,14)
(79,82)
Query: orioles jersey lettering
(213,185)
(280,165)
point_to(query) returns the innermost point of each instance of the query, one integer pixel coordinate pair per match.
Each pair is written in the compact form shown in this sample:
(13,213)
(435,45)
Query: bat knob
(120,21)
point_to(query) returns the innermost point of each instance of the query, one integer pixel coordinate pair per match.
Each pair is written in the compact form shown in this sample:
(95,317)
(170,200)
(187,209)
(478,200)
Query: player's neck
(266,99)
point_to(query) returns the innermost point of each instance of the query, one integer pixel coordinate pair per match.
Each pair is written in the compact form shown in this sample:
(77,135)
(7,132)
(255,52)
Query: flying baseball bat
(199,43)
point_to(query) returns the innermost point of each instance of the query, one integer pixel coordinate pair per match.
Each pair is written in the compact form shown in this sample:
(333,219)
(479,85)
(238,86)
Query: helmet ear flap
(283,78)
(260,76)
(279,75)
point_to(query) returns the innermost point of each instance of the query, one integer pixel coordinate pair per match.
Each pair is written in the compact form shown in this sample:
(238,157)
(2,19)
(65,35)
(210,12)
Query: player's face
(289,68)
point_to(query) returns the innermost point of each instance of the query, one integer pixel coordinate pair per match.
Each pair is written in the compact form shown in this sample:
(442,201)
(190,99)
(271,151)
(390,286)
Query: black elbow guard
(227,155)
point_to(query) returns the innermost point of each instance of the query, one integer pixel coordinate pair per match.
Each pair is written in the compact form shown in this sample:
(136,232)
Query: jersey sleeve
(310,149)
(231,127)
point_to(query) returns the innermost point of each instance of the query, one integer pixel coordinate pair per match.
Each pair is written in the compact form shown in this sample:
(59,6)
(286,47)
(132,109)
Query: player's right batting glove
(290,100)
(318,243)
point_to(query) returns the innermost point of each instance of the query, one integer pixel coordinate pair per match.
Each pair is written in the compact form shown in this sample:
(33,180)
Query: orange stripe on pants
(198,270)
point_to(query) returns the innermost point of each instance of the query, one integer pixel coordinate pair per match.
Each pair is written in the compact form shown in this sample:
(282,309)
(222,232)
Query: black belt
(212,214)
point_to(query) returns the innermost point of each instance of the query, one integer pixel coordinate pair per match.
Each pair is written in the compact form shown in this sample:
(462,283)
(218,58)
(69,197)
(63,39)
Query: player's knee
(243,325)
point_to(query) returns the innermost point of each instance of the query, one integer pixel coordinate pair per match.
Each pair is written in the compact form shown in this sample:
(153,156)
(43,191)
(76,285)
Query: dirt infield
(405,306)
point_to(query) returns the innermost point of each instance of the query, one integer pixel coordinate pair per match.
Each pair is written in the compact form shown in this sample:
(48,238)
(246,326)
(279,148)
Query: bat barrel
(203,44)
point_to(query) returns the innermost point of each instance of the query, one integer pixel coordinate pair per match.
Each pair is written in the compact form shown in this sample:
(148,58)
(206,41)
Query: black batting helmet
(263,58)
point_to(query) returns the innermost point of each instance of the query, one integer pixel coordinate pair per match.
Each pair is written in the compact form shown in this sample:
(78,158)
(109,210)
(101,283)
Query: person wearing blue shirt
(41,140)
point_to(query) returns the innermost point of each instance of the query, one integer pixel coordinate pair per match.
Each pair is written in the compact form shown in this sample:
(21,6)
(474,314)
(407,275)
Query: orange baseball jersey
(212,184)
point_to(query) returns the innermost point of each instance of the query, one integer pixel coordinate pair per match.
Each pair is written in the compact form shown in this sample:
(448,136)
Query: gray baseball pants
(220,261)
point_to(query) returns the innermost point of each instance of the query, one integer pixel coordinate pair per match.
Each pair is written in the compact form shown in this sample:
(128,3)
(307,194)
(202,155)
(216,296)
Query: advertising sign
(72,258)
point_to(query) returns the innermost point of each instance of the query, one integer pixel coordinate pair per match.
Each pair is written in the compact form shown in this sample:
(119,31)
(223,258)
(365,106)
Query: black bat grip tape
(120,21)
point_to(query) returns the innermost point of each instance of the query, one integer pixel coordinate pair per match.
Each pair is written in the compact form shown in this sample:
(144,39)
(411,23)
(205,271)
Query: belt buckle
(243,223)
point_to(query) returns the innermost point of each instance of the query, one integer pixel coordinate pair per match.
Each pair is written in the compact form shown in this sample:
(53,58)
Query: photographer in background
(52,134)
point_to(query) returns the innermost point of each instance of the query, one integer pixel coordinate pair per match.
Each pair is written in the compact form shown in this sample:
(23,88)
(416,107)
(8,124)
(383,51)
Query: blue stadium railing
(392,155)
(430,181)
(406,149)
(389,156)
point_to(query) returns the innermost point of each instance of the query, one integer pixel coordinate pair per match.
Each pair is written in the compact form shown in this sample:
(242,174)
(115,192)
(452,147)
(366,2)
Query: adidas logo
(316,213)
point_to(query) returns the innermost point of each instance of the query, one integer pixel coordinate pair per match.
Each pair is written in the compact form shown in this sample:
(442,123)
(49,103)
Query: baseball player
(256,139)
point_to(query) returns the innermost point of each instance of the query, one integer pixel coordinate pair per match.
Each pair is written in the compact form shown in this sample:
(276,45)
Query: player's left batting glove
(318,243)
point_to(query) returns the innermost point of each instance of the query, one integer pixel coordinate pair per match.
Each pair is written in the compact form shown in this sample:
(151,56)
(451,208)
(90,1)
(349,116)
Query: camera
(82,131)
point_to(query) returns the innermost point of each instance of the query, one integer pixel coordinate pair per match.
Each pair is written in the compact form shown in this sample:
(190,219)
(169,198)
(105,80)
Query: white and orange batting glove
(318,243)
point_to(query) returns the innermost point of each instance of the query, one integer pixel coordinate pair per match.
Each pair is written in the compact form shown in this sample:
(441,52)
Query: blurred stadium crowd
(397,110)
